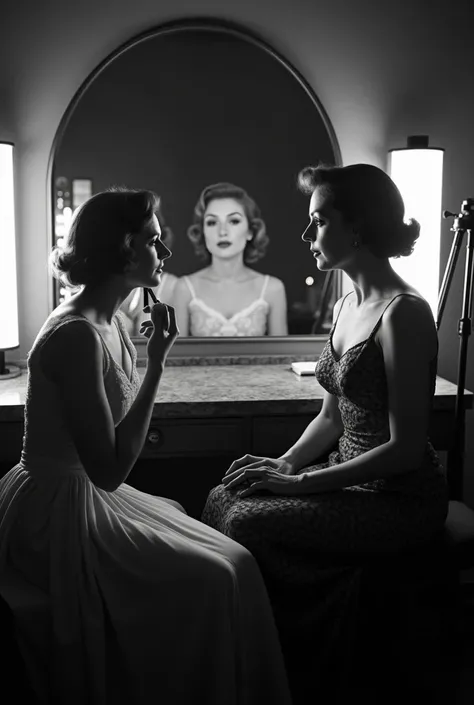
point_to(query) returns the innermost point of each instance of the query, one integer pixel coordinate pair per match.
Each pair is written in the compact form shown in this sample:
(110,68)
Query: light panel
(418,173)
(8,281)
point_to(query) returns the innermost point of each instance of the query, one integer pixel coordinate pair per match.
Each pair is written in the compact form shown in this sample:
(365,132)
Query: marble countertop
(226,391)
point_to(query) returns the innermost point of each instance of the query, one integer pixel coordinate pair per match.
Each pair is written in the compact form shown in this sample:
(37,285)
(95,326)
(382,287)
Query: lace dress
(145,604)
(310,548)
(205,321)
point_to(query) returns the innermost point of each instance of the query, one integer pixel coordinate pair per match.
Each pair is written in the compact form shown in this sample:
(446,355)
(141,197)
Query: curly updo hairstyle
(255,248)
(99,242)
(369,200)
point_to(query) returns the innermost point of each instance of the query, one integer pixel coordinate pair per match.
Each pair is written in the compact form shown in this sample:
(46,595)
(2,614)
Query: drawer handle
(154,437)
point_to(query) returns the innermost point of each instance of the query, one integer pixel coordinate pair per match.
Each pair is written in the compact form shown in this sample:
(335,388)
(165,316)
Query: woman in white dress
(118,596)
(227,297)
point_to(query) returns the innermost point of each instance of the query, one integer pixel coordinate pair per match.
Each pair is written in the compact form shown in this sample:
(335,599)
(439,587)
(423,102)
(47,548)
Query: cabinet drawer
(273,435)
(196,437)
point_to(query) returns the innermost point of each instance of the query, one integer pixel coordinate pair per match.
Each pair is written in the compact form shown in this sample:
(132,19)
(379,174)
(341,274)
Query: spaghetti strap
(375,328)
(340,309)
(190,286)
(264,287)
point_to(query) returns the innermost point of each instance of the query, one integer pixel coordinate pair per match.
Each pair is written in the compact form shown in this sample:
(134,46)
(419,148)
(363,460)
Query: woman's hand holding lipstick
(161,329)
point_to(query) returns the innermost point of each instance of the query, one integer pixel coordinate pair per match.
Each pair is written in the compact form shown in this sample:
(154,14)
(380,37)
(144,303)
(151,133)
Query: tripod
(463,223)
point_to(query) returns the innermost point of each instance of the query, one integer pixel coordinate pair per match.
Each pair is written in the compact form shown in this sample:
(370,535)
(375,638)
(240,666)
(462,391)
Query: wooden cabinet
(184,457)
(196,437)
(273,435)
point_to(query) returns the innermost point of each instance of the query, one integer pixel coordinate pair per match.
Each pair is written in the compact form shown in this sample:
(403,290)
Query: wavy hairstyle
(369,200)
(255,248)
(99,242)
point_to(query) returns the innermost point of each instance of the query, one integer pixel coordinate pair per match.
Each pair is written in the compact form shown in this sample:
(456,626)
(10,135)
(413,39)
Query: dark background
(177,112)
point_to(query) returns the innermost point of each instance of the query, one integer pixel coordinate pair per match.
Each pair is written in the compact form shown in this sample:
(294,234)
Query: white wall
(382,71)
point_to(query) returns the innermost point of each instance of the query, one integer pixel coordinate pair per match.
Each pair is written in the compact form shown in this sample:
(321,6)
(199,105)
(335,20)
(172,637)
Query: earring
(355,243)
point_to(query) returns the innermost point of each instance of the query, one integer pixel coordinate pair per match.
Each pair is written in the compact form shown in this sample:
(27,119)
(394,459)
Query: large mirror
(193,104)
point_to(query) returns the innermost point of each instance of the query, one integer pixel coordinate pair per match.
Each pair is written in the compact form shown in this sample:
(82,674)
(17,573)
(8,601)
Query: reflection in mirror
(186,107)
(227,297)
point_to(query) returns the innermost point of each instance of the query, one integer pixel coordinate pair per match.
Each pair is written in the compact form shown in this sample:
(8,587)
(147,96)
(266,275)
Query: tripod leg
(448,274)
(456,454)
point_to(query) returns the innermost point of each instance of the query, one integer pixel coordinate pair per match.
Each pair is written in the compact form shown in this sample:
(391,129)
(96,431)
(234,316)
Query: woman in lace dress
(311,524)
(118,597)
(227,297)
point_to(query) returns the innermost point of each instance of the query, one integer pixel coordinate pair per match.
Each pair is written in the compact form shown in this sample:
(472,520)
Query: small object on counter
(303,368)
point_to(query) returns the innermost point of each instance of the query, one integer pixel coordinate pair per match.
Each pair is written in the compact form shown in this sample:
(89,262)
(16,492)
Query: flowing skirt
(121,598)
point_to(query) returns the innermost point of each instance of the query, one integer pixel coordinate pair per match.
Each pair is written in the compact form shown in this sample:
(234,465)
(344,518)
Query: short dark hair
(255,248)
(99,242)
(368,199)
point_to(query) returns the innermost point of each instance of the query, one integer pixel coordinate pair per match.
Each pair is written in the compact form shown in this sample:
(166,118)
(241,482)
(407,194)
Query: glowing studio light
(417,170)
(9,337)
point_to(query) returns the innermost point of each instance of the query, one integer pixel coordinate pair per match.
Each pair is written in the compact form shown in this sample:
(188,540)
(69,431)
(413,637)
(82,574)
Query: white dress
(120,598)
(205,321)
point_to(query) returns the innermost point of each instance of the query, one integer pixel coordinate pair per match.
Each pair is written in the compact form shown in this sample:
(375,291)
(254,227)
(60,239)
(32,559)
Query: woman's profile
(227,297)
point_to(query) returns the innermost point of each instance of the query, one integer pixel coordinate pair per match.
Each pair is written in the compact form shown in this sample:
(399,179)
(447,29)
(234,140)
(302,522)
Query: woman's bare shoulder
(409,318)
(410,302)
(73,342)
(275,285)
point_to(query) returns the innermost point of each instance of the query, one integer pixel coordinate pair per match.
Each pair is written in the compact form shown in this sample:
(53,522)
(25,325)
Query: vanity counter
(205,416)
(226,390)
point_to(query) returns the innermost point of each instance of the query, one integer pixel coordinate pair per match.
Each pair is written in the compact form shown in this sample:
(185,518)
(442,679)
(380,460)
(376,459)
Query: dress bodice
(205,321)
(46,436)
(358,380)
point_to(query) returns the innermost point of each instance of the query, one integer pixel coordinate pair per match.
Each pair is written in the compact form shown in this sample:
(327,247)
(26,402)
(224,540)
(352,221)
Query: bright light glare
(8,286)
(418,173)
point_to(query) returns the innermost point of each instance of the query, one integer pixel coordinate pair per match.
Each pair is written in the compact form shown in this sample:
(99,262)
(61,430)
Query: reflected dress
(205,321)
(311,548)
(144,604)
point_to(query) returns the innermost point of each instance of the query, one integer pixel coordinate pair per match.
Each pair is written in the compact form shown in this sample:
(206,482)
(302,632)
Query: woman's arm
(323,432)
(73,359)
(408,340)
(181,299)
(277,317)
(319,436)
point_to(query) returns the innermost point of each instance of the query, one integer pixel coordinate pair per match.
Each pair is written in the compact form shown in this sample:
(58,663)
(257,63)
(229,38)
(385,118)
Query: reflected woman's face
(226,228)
